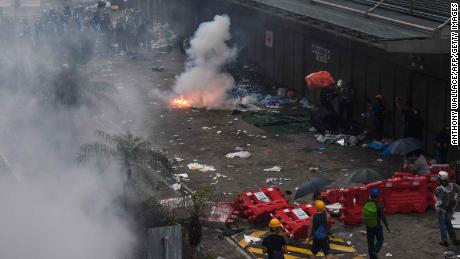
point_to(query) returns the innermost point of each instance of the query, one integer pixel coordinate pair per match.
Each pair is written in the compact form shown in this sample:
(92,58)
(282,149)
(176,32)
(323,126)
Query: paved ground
(181,132)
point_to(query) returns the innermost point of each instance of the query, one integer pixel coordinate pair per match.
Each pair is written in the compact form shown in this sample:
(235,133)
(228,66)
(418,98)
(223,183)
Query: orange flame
(180,102)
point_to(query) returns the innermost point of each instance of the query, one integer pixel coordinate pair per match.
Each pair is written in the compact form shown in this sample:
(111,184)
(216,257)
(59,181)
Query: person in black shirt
(318,231)
(274,244)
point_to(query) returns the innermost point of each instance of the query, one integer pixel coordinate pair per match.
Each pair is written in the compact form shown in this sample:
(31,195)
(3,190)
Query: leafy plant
(201,200)
(127,149)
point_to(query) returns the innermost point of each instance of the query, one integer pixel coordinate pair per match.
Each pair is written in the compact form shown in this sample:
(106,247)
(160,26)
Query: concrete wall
(300,49)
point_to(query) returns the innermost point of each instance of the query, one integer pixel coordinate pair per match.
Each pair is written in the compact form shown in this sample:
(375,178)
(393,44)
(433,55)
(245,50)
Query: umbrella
(404,146)
(363,175)
(315,184)
(319,79)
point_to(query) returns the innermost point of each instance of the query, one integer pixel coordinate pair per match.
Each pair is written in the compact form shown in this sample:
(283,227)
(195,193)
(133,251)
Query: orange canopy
(319,79)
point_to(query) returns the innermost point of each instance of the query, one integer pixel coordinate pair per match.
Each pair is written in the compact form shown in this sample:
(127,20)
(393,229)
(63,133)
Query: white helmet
(443,176)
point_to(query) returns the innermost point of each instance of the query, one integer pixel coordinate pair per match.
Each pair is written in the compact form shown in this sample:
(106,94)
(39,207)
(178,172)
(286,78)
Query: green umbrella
(363,175)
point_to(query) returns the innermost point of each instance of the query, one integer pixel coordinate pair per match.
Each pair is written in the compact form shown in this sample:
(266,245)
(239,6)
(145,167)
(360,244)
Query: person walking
(446,200)
(274,244)
(373,215)
(318,231)
(378,117)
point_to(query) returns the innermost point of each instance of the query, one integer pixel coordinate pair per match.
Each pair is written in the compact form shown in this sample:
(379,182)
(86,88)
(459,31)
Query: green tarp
(278,123)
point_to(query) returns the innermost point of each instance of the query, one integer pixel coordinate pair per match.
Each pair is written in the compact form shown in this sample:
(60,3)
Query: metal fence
(165,242)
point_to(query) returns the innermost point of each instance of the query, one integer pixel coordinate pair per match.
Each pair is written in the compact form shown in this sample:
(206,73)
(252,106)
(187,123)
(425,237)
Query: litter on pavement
(176,186)
(273,169)
(202,168)
(251,239)
(181,176)
(240,154)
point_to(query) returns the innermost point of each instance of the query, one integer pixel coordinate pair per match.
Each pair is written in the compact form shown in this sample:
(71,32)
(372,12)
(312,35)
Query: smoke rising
(53,208)
(204,83)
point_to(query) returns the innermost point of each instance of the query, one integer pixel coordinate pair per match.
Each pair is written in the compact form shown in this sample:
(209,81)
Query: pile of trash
(249,96)
(340,139)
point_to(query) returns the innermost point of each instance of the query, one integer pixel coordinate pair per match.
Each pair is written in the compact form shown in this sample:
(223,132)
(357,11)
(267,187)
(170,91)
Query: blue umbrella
(404,146)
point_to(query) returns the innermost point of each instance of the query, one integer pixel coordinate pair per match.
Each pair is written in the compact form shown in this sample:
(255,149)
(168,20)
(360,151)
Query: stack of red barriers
(403,193)
(257,206)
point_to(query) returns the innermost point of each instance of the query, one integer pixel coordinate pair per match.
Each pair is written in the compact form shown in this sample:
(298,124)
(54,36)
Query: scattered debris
(218,132)
(251,239)
(278,181)
(178,159)
(240,154)
(273,169)
(206,128)
(200,167)
(341,139)
(174,203)
(180,176)
(388,254)
(176,186)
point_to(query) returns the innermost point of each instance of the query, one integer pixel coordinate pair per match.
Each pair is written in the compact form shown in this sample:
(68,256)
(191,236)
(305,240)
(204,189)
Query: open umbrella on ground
(315,184)
(363,175)
(319,79)
(404,146)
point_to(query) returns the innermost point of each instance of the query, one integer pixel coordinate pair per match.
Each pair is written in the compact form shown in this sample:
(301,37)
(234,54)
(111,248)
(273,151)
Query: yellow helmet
(319,205)
(274,223)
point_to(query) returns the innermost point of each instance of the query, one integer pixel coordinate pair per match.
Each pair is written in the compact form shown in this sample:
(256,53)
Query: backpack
(320,233)
(370,214)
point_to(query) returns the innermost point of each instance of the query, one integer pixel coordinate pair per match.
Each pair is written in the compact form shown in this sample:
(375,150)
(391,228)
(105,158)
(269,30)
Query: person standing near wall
(378,117)
(441,145)
(346,96)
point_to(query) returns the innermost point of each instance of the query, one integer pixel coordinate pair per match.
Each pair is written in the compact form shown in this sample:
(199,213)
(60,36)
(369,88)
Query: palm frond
(94,151)
(104,137)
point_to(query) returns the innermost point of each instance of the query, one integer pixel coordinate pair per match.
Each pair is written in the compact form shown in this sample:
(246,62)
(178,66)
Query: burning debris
(203,83)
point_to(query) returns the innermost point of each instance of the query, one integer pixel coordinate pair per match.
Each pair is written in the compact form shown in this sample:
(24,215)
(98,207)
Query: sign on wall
(269,39)
(322,54)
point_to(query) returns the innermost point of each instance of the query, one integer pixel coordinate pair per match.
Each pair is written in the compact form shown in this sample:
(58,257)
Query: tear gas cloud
(204,83)
(52,208)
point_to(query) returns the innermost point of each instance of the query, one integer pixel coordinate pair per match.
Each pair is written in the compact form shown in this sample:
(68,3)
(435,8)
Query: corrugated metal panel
(165,242)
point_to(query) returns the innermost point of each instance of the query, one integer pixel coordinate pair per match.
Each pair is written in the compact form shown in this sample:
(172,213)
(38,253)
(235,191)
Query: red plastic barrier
(257,206)
(407,194)
(297,221)
(352,201)
(403,174)
(332,195)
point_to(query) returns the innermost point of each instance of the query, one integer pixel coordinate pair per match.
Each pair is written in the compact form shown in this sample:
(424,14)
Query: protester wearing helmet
(318,231)
(446,195)
(373,215)
(274,244)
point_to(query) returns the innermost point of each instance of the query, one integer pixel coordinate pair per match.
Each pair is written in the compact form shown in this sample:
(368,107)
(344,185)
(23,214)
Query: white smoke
(203,82)
(52,208)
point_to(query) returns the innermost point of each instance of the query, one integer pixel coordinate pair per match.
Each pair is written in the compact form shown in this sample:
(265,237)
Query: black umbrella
(315,184)
(363,175)
(404,146)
